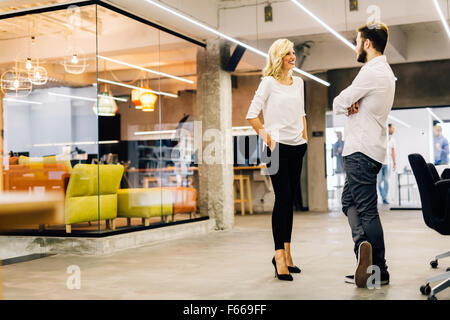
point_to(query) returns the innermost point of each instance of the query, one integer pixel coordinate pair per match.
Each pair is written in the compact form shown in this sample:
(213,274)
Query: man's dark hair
(377,33)
(390,125)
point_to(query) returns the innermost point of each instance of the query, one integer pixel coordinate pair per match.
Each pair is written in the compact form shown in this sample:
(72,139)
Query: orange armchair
(184,199)
(23,177)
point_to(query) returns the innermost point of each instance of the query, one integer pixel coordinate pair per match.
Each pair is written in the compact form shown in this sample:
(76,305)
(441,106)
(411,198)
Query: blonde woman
(281,98)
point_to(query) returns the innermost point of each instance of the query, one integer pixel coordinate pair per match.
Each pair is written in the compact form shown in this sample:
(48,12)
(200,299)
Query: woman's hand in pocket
(271,143)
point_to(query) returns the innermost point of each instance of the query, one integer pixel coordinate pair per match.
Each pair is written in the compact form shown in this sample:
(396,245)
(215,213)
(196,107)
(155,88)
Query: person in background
(12,158)
(440,146)
(338,147)
(383,175)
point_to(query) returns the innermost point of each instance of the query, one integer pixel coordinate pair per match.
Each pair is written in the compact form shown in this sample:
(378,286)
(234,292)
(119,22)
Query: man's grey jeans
(359,204)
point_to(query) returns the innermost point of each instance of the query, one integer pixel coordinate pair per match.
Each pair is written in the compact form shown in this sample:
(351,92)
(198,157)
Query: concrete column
(316,105)
(214,105)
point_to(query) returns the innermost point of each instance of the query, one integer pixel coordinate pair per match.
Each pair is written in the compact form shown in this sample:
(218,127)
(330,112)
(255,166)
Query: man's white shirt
(374,89)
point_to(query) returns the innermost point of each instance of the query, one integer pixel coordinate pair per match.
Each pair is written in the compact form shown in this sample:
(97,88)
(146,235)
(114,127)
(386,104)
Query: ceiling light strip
(21,101)
(441,15)
(434,115)
(114,98)
(250,48)
(134,87)
(62,144)
(145,69)
(399,121)
(86,98)
(144,133)
(312,15)
(71,96)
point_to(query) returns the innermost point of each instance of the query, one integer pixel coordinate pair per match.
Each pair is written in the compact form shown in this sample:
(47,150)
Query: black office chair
(445,174)
(435,175)
(435,198)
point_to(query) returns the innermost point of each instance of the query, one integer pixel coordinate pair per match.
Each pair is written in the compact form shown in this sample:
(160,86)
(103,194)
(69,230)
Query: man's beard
(362,56)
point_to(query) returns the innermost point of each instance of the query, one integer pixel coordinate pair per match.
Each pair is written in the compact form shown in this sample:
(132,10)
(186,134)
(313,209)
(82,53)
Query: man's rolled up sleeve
(360,87)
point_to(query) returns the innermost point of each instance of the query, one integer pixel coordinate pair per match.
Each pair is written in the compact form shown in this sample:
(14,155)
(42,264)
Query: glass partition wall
(423,130)
(98,113)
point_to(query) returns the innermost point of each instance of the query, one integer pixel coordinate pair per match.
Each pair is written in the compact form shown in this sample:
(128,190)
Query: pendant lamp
(15,83)
(148,101)
(105,106)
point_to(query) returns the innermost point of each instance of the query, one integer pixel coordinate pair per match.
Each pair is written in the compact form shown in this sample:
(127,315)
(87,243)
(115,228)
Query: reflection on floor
(236,264)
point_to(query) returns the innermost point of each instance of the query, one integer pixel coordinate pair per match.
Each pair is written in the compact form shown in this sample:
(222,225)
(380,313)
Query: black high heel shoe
(286,277)
(294,269)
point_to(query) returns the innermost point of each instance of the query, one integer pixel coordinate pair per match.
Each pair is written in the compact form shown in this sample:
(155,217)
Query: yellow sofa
(144,203)
(92,186)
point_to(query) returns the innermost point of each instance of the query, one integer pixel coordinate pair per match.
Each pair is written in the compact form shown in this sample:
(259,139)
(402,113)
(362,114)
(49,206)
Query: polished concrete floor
(236,264)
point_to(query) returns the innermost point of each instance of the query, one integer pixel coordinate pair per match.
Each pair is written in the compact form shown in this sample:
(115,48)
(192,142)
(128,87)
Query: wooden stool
(186,181)
(242,200)
(152,180)
(173,180)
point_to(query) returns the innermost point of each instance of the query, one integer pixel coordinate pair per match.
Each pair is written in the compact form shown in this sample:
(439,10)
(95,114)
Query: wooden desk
(250,167)
(148,181)
(168,169)
(191,169)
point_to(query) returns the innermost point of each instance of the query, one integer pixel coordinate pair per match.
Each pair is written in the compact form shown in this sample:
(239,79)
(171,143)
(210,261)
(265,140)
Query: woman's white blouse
(283,109)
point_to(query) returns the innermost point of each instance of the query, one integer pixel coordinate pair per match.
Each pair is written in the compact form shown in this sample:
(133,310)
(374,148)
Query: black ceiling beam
(235,59)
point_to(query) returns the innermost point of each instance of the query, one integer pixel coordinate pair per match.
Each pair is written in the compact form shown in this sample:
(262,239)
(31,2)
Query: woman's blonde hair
(277,51)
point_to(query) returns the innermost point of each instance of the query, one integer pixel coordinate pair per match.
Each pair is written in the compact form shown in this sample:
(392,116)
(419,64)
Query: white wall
(57,120)
(417,139)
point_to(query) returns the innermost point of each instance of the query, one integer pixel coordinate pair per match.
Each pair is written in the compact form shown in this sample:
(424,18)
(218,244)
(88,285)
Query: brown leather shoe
(364,262)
